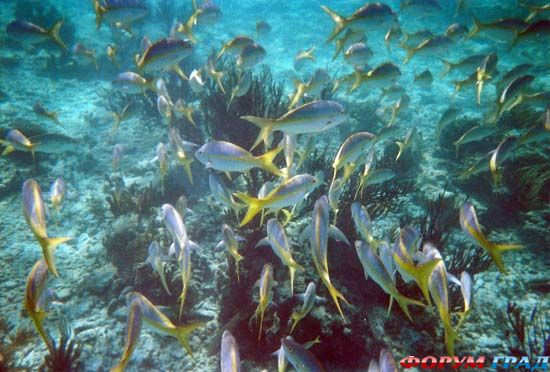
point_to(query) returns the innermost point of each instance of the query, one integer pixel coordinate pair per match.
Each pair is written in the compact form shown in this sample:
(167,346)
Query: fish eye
(342,112)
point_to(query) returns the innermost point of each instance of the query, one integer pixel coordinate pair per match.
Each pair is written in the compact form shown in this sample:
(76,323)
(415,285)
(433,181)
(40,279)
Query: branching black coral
(528,336)
(63,356)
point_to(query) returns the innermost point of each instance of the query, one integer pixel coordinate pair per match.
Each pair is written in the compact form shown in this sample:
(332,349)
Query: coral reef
(63,356)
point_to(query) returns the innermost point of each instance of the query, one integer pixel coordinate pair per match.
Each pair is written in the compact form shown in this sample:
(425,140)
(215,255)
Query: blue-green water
(428,132)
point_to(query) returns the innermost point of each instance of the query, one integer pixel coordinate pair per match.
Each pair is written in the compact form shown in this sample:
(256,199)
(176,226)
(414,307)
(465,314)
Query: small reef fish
(181,109)
(230,360)
(181,153)
(381,76)
(80,49)
(465,65)
(375,269)
(29,33)
(262,28)
(393,34)
(467,289)
(141,310)
(470,226)
(222,194)
(511,91)
(231,242)
(406,143)
(312,117)
(385,363)
(349,152)
(132,83)
(40,110)
(265,285)
(196,82)
(250,55)
(35,215)
(514,73)
(174,223)
(362,222)
(278,240)
(165,55)
(534,10)
(301,359)
(358,54)
(288,193)
(15,140)
(207,13)
(416,38)
(227,157)
(436,45)
(35,292)
(303,56)
(309,299)
(319,248)
(112,53)
(121,13)
(119,117)
(456,31)
(448,116)
(501,29)
(215,75)
(116,156)
(484,72)
(401,104)
(424,79)
(440,294)
(314,86)
(235,45)
(422,4)
(57,192)
(477,133)
(157,262)
(350,37)
(370,16)
(165,109)
(162,158)
(243,86)
(282,361)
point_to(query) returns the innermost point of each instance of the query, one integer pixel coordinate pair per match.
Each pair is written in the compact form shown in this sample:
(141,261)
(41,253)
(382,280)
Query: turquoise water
(431,144)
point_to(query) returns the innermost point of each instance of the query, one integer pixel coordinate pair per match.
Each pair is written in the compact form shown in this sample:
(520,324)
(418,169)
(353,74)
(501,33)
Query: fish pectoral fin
(8,150)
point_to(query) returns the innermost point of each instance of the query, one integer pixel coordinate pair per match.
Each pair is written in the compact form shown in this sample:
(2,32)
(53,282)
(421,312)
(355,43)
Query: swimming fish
(15,140)
(40,110)
(301,359)
(132,83)
(362,222)
(465,65)
(116,156)
(250,55)
(484,72)
(302,56)
(235,45)
(215,75)
(242,87)
(262,28)
(164,108)
(231,242)
(467,289)
(164,55)
(35,290)
(288,193)
(35,215)
(112,53)
(393,34)
(30,33)
(319,249)
(122,12)
(511,91)
(134,324)
(174,223)
(358,54)
(278,240)
(350,37)
(230,360)
(228,157)
(375,269)
(312,117)
(368,17)
(381,76)
(401,104)
(265,285)
(196,82)
(501,29)
(222,194)
(470,226)
(474,134)
(181,153)
(157,262)
(350,150)
(314,86)
(282,361)
(162,158)
(414,39)
(309,299)
(448,116)
(57,192)
(406,143)
(456,31)
(80,49)
(436,45)
(424,79)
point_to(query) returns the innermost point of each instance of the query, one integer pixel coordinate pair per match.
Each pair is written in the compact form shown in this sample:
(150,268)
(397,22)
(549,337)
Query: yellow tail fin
(334,294)
(187,28)
(54,34)
(182,334)
(401,146)
(187,166)
(447,67)
(266,127)
(340,23)
(48,250)
(265,161)
(496,251)
(405,302)
(410,53)
(254,207)
(420,273)
(450,337)
(475,28)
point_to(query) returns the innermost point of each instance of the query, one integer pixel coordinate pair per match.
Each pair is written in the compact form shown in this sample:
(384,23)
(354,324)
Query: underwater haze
(259,185)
